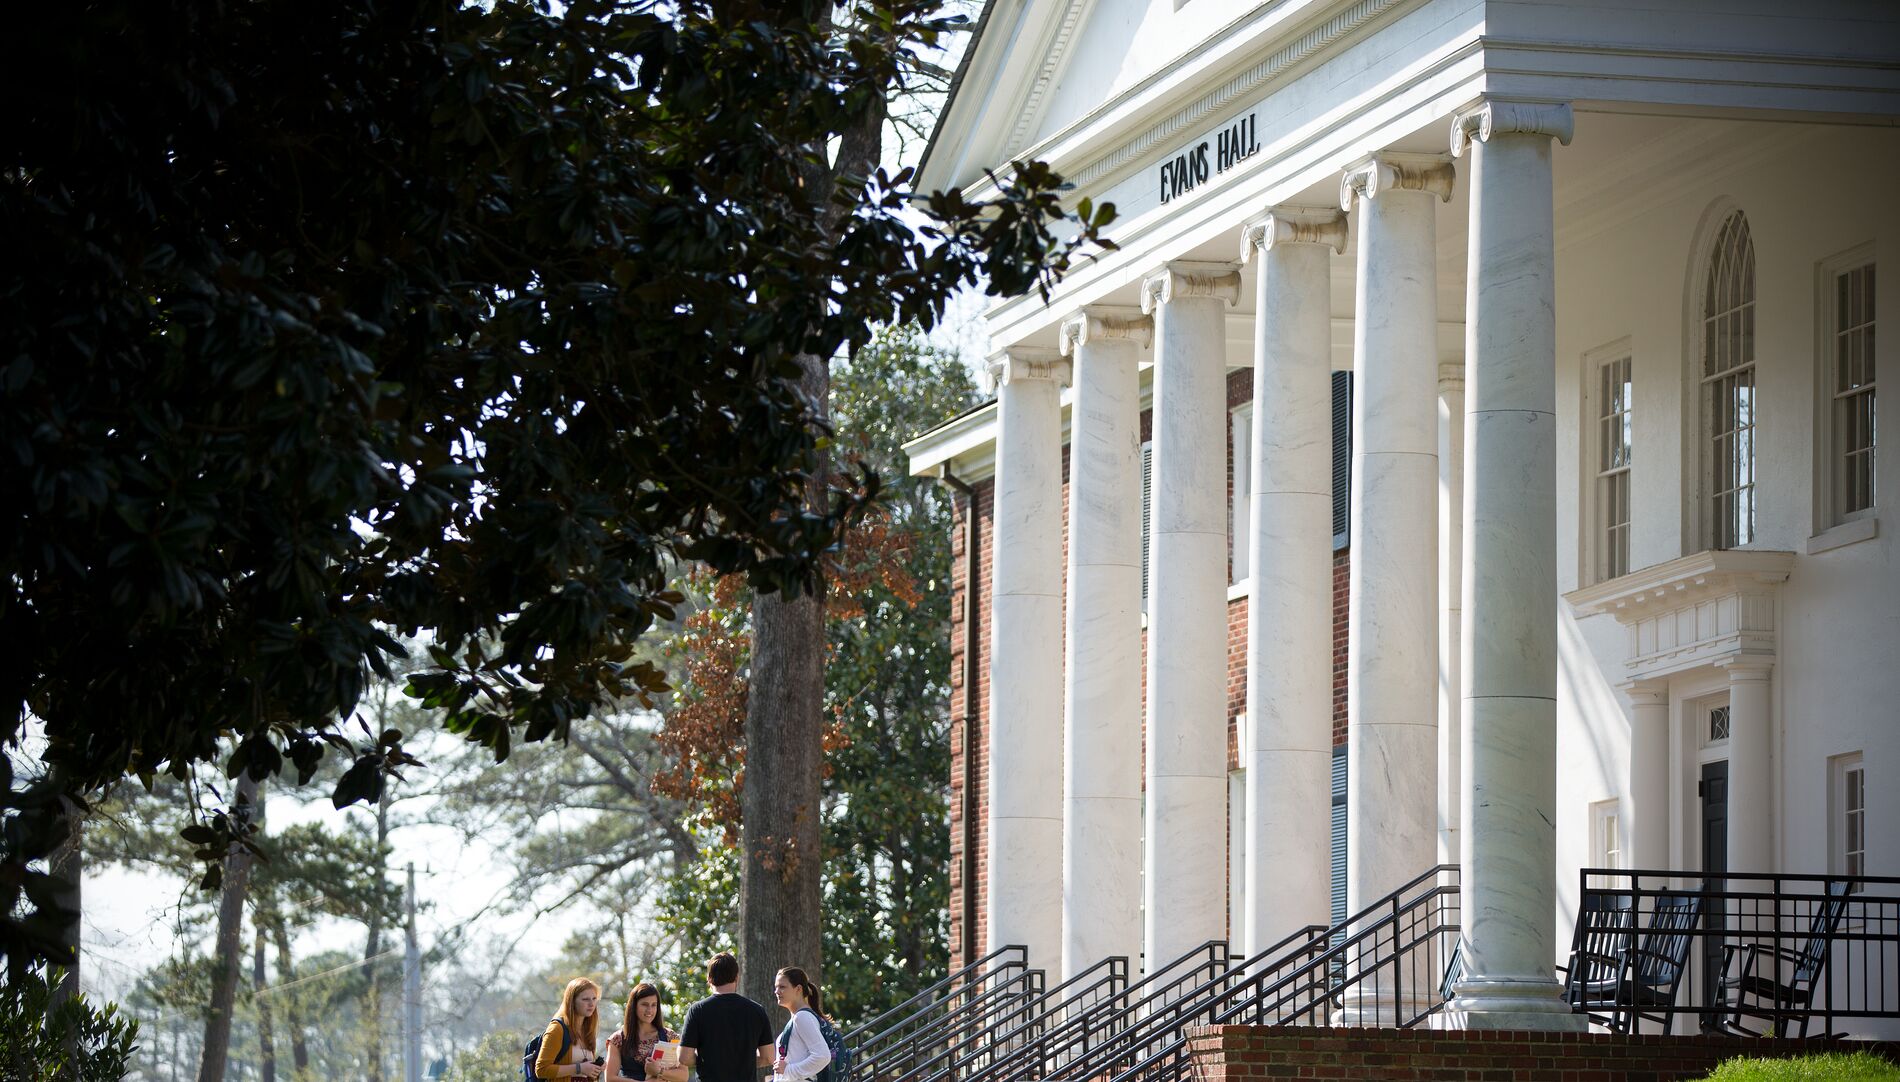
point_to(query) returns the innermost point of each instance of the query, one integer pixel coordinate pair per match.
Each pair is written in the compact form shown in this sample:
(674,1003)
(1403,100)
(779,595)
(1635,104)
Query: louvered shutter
(1147,505)
(1339,830)
(1342,458)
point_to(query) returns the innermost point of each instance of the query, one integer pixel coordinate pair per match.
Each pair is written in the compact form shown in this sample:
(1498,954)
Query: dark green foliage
(334,322)
(42,1040)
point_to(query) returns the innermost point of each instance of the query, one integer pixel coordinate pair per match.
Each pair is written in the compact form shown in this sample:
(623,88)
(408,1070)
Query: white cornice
(1682,581)
(1055,54)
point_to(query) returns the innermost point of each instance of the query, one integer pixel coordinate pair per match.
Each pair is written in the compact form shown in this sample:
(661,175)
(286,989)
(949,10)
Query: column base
(1506,1003)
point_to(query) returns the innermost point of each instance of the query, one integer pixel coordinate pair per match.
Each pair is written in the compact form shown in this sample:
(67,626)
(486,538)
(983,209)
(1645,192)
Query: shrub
(1825,1067)
(71,1042)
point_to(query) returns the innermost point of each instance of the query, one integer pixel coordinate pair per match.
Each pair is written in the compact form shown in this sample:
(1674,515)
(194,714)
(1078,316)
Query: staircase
(996,1020)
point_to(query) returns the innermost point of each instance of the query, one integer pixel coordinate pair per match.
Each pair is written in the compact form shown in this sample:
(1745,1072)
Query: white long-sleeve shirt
(804,1047)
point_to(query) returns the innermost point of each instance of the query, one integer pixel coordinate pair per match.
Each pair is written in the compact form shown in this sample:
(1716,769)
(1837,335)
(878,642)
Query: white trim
(1826,482)
(1239,536)
(1589,510)
(1847,533)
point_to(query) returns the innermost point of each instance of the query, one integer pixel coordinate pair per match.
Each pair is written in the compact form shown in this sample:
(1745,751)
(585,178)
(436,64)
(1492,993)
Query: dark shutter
(1147,506)
(1339,822)
(1342,458)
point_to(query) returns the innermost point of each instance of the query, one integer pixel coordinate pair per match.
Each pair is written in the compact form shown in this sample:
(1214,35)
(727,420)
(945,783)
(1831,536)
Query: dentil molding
(1707,608)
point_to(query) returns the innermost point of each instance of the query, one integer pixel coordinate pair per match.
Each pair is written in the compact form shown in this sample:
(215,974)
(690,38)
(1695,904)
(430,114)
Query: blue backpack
(533,1052)
(839,1070)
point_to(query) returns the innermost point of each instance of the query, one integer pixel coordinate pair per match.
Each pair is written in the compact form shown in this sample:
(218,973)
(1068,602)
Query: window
(1342,459)
(1728,393)
(1849,398)
(1609,401)
(1718,723)
(1239,534)
(1147,513)
(1606,835)
(1847,795)
(1339,833)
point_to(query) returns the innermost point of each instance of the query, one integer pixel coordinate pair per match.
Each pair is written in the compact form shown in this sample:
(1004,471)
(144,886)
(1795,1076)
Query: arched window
(1728,388)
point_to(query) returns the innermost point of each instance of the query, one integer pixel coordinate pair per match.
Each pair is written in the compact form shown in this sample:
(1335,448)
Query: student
(802,1052)
(727,1037)
(574,1029)
(631,1046)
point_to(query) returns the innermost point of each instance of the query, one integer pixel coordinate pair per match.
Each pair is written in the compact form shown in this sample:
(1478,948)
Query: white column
(1645,802)
(1289,740)
(1509,678)
(1751,797)
(1392,650)
(1186,817)
(1024,884)
(1451,521)
(1101,776)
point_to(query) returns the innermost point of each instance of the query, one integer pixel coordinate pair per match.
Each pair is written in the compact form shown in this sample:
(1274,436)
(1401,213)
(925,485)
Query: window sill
(1238,590)
(1847,533)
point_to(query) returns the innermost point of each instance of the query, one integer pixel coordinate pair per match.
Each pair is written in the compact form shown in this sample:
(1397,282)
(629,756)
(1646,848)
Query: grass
(1826,1067)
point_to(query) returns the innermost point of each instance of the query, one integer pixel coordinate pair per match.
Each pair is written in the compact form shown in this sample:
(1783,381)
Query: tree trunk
(780,885)
(237,878)
(781,828)
(67,865)
(374,1009)
(266,1052)
(299,1052)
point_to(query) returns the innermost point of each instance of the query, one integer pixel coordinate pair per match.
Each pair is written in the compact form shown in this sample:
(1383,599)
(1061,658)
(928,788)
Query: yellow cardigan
(548,1064)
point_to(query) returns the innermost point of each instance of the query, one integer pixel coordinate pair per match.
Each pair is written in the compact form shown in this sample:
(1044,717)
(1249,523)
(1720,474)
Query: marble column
(1751,797)
(1186,819)
(1024,885)
(1290,605)
(1509,677)
(1451,521)
(1645,802)
(1101,775)
(1392,649)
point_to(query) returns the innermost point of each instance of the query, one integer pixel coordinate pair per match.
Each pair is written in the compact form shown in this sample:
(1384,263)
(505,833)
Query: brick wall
(1252,1053)
(974,605)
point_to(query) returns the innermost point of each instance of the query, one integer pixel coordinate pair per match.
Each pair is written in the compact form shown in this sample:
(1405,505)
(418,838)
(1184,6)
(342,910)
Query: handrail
(1312,971)
(1777,951)
(1021,958)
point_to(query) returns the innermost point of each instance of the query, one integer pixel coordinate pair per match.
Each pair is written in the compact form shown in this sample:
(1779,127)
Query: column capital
(1102,321)
(1451,377)
(1491,117)
(1022,363)
(1392,171)
(1182,279)
(1748,669)
(1294,225)
(1647,692)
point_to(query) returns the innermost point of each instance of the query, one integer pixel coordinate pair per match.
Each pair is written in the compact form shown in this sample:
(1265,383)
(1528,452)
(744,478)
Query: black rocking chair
(1751,972)
(1614,975)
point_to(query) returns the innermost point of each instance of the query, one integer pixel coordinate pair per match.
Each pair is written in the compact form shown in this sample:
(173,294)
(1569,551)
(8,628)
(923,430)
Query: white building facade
(1596,574)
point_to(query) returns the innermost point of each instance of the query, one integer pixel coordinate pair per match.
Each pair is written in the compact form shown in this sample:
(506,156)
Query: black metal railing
(1744,953)
(948,1010)
(1383,966)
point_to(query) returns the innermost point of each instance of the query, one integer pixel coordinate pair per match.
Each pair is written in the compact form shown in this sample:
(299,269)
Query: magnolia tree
(464,323)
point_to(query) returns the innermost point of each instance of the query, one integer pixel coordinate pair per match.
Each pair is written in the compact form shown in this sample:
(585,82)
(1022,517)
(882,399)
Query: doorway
(1713,788)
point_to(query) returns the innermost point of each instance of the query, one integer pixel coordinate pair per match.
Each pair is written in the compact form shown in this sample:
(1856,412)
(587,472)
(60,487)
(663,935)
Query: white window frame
(1594,548)
(1830,481)
(1240,539)
(1847,810)
(1607,834)
(1727,472)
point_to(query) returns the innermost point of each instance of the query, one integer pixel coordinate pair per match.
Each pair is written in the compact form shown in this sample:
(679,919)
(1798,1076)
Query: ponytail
(795,977)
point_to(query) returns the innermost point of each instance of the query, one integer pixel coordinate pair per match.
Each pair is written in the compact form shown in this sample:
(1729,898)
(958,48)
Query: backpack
(839,1069)
(533,1052)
